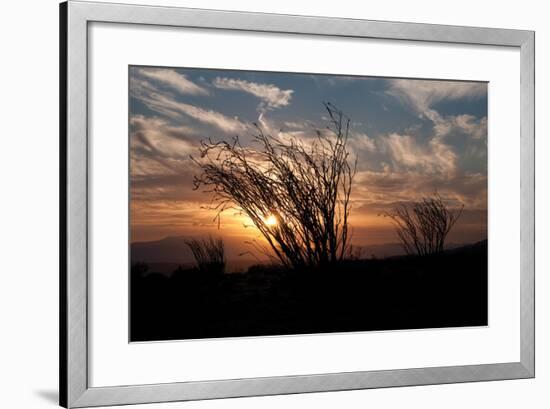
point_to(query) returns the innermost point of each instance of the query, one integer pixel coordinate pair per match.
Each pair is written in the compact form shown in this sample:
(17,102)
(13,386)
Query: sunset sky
(410,137)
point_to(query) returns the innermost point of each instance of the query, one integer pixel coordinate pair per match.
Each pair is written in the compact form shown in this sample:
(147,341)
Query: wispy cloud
(405,152)
(422,94)
(451,124)
(173,79)
(159,154)
(225,123)
(362,142)
(271,95)
(166,105)
(158,135)
(377,191)
(476,127)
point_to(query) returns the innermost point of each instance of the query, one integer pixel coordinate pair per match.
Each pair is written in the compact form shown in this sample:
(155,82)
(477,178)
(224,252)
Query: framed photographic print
(256,204)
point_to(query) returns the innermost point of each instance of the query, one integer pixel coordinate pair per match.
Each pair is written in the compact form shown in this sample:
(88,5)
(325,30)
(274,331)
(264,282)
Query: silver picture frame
(75,390)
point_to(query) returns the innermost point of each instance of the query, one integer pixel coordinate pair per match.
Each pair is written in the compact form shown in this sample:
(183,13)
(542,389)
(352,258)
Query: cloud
(166,105)
(298,124)
(469,124)
(422,94)
(271,95)
(462,124)
(305,133)
(438,155)
(157,135)
(450,133)
(380,190)
(158,149)
(160,167)
(405,152)
(362,142)
(217,119)
(173,79)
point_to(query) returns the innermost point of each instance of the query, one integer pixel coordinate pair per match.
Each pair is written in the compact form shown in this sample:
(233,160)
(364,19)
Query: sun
(270,220)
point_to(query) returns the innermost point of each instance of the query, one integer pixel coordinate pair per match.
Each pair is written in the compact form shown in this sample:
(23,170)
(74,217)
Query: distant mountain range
(174,250)
(167,250)
(166,254)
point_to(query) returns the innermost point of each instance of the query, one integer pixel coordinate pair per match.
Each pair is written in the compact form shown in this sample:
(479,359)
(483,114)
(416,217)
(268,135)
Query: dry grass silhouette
(209,254)
(297,194)
(423,228)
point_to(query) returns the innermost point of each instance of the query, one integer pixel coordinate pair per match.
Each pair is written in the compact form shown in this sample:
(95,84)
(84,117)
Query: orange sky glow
(411,138)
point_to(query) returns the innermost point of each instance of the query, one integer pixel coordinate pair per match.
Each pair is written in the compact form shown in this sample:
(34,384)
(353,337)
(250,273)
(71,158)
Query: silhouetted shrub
(296,193)
(209,254)
(423,228)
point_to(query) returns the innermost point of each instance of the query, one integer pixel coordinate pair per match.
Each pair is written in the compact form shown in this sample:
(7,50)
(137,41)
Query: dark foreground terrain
(447,290)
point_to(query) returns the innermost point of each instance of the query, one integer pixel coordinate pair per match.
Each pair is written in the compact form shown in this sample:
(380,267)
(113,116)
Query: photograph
(275,203)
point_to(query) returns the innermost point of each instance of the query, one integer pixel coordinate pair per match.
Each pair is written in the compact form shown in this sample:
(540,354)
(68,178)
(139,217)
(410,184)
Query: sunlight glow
(270,220)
